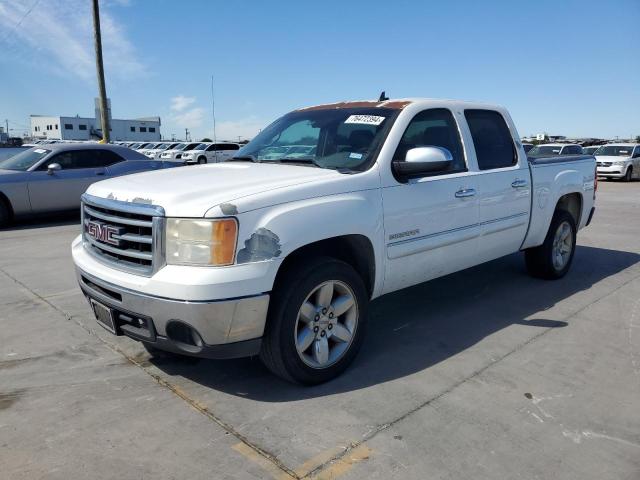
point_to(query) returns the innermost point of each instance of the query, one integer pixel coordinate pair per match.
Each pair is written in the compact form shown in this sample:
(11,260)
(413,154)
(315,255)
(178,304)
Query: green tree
(205,139)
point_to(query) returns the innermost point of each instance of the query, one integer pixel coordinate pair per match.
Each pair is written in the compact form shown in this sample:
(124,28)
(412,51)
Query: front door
(62,189)
(431,223)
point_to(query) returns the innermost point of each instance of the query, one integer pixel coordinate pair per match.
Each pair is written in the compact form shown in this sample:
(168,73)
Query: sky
(561,67)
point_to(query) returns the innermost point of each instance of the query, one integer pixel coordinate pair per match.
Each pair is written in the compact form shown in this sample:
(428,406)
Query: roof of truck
(395,104)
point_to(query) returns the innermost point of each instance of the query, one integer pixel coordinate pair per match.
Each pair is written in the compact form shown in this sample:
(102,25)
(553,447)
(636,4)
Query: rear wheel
(316,322)
(553,258)
(628,174)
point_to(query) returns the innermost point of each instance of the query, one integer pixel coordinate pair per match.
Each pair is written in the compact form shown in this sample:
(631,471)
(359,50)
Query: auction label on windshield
(365,119)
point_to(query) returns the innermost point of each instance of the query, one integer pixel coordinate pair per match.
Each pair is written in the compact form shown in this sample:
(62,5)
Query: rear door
(504,184)
(62,189)
(224,151)
(431,222)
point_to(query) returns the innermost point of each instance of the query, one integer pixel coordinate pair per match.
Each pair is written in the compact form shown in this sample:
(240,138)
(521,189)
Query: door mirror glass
(53,167)
(424,160)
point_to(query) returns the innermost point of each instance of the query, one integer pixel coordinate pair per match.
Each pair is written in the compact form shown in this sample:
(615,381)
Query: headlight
(619,162)
(201,242)
(187,155)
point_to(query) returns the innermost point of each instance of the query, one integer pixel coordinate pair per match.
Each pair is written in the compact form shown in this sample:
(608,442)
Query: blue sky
(562,67)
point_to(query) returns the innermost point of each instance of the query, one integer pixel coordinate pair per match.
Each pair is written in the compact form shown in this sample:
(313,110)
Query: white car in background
(157,149)
(175,154)
(619,160)
(149,146)
(553,149)
(211,153)
(590,150)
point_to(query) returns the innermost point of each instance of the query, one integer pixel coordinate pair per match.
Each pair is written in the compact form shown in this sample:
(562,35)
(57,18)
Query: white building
(145,129)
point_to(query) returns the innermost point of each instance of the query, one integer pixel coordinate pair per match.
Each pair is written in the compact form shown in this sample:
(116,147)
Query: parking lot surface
(483,374)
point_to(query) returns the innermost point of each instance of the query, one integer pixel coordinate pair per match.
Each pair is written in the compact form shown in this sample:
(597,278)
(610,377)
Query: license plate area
(104,316)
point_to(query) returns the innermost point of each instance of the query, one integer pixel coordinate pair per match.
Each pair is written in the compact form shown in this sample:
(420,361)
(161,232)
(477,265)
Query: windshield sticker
(357,156)
(365,119)
(40,150)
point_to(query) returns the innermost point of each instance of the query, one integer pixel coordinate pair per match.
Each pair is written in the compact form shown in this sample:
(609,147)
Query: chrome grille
(128,236)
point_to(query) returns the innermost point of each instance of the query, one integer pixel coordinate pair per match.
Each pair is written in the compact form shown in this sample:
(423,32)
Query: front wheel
(628,175)
(4,214)
(316,322)
(553,258)
(202,160)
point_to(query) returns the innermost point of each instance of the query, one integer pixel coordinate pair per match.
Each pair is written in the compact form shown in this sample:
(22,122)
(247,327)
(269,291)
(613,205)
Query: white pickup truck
(279,254)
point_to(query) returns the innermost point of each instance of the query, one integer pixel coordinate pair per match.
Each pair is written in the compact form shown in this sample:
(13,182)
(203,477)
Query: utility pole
(213,111)
(186,134)
(104,116)
(6,121)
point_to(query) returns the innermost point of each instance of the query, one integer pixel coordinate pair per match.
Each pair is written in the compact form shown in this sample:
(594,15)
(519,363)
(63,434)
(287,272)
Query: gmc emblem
(104,233)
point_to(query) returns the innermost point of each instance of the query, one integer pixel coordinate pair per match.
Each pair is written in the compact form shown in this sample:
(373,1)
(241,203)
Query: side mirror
(424,160)
(53,167)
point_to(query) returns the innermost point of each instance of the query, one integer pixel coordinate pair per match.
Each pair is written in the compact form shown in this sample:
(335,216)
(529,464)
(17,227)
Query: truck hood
(191,191)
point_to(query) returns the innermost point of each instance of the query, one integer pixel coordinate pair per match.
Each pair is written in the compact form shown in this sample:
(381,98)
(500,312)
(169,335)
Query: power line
(15,27)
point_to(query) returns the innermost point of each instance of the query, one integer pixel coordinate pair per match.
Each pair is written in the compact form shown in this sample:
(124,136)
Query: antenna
(383,97)
(213,111)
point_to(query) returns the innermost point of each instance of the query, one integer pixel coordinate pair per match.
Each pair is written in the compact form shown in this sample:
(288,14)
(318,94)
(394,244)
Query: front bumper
(614,171)
(227,328)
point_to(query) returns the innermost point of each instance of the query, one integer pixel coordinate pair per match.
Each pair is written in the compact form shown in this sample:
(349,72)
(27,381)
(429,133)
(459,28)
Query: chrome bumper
(227,328)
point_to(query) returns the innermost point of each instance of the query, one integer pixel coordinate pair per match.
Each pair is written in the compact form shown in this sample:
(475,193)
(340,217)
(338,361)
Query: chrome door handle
(465,192)
(519,183)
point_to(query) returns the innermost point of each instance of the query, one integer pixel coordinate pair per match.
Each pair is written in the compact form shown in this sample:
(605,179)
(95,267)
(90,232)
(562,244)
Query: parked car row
(52,177)
(614,160)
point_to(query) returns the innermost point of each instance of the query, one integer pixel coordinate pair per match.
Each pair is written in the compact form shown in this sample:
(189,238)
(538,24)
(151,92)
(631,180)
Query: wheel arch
(7,203)
(354,249)
(572,203)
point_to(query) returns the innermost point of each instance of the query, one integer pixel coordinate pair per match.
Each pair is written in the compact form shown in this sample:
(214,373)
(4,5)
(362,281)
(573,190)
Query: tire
(318,346)
(202,160)
(5,215)
(540,260)
(628,175)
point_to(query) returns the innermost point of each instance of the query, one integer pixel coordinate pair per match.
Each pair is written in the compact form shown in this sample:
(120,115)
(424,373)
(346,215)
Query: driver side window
(69,160)
(437,128)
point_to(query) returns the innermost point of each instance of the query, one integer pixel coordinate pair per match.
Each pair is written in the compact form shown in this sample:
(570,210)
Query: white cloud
(180,102)
(191,119)
(58,34)
(246,128)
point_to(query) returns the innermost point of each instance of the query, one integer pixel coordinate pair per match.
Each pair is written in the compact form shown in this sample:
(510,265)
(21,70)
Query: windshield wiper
(303,160)
(244,158)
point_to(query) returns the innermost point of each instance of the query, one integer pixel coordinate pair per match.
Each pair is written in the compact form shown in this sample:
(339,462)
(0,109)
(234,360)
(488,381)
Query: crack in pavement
(172,388)
(385,426)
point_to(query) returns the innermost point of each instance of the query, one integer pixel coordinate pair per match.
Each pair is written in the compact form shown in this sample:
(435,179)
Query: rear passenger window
(491,138)
(435,127)
(104,158)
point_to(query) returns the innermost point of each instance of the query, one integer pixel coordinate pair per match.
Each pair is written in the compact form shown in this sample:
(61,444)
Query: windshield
(346,138)
(135,146)
(164,146)
(589,150)
(24,160)
(614,151)
(545,150)
(202,146)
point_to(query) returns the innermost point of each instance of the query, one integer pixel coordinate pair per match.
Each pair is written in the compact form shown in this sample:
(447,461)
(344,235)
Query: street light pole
(104,116)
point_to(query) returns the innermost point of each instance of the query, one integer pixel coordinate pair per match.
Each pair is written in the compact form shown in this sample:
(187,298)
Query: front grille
(126,235)
(604,164)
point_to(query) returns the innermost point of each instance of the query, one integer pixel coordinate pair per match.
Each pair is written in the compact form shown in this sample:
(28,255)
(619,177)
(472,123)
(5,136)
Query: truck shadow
(411,330)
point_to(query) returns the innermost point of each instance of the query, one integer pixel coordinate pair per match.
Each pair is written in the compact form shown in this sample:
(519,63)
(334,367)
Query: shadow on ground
(413,329)
(57,219)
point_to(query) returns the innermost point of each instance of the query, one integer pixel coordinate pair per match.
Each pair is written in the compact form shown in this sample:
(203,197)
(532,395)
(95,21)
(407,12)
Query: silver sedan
(52,177)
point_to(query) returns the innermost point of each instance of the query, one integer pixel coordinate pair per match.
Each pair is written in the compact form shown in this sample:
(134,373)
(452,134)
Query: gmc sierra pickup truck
(279,250)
